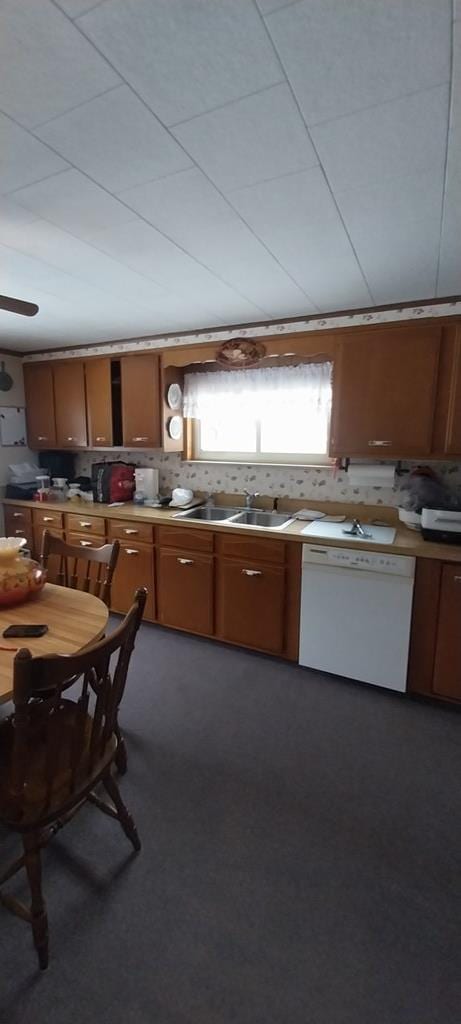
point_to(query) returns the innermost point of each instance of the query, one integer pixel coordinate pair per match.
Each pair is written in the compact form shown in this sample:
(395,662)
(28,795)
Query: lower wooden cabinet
(18,523)
(435,651)
(447,663)
(185,590)
(250,601)
(135,568)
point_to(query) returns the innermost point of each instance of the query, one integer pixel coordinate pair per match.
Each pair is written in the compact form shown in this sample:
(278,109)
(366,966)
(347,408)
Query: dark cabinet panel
(185,590)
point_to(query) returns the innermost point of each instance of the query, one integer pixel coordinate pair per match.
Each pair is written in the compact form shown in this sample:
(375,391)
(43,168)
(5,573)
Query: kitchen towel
(377,474)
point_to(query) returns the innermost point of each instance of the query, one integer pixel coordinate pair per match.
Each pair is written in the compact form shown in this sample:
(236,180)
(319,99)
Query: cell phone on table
(26,630)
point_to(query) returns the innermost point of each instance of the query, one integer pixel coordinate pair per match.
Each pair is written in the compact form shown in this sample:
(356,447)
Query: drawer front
(135,568)
(120,529)
(82,541)
(182,537)
(185,590)
(48,520)
(258,549)
(17,516)
(86,524)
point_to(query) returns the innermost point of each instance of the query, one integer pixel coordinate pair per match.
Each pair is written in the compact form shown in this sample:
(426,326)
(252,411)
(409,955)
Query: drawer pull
(84,522)
(379,444)
(42,437)
(131,551)
(70,439)
(139,438)
(20,533)
(129,532)
(85,543)
(100,439)
(17,515)
(48,519)
(251,572)
(457,579)
(185,561)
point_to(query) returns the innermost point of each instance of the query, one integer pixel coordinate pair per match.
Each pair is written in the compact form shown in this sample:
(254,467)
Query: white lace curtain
(260,391)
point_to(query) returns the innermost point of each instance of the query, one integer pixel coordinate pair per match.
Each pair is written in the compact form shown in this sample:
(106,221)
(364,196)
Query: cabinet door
(135,568)
(447,666)
(250,604)
(384,393)
(99,402)
(453,433)
(40,415)
(140,401)
(185,590)
(69,391)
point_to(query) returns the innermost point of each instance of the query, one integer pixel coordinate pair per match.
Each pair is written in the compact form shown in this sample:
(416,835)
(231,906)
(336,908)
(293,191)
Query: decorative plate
(174,396)
(240,353)
(175,428)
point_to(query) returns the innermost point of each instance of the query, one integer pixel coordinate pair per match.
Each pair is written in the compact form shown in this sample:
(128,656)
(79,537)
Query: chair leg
(39,917)
(124,815)
(121,759)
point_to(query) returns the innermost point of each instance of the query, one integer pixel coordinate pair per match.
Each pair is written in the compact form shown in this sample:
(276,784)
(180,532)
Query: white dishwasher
(356,614)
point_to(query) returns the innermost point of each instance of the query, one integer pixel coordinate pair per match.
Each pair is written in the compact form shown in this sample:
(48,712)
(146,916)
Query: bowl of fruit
(20,577)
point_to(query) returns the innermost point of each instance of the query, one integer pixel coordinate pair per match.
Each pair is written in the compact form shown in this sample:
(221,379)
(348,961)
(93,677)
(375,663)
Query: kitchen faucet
(249,497)
(357,530)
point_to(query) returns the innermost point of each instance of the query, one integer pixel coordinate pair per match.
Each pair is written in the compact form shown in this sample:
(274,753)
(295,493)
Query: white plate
(174,396)
(175,428)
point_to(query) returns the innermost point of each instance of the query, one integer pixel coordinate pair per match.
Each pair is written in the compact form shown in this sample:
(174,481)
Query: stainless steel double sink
(237,516)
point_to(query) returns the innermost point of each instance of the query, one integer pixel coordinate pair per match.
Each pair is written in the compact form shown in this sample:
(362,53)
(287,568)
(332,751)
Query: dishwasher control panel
(350,558)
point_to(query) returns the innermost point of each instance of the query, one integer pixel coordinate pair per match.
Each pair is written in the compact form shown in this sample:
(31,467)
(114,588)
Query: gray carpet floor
(300,863)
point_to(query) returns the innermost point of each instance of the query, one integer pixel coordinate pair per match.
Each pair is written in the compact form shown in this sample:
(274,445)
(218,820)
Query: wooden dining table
(74,619)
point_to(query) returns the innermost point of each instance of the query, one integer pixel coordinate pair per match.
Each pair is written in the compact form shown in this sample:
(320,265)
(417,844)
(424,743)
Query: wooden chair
(55,750)
(71,572)
(75,570)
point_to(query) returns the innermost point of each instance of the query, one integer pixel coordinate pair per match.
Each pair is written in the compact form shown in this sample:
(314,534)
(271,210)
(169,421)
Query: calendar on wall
(12,426)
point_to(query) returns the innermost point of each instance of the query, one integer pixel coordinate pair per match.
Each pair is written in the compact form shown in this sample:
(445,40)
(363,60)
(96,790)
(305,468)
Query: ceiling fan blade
(18,306)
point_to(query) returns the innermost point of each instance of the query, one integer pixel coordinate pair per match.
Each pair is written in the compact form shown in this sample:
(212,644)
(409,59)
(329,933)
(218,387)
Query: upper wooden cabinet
(69,397)
(39,390)
(99,402)
(384,393)
(140,401)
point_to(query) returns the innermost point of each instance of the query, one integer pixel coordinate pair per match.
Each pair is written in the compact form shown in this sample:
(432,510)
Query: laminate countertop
(407,542)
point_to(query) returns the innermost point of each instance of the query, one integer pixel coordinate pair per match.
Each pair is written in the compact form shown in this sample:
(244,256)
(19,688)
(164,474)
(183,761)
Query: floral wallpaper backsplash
(306,482)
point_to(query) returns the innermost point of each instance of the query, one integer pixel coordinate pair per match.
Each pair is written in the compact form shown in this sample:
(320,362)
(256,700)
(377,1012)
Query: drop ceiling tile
(454,138)
(54,67)
(74,203)
(116,140)
(296,218)
(188,208)
(268,6)
(256,138)
(343,56)
(188,56)
(23,159)
(392,140)
(395,230)
(12,216)
(147,252)
(74,8)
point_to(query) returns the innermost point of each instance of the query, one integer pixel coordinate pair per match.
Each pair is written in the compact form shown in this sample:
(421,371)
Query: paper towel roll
(376,475)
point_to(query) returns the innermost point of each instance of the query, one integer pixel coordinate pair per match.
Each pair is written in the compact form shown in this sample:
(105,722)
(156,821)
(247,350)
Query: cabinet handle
(100,439)
(139,438)
(379,444)
(48,519)
(84,523)
(70,439)
(185,561)
(129,532)
(251,572)
(457,579)
(20,533)
(131,551)
(17,515)
(85,543)
(42,437)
